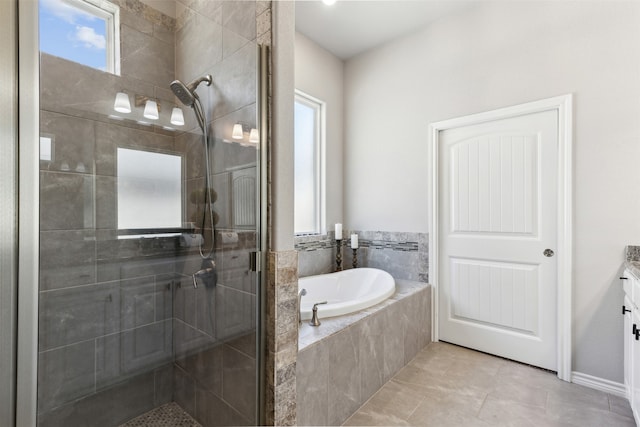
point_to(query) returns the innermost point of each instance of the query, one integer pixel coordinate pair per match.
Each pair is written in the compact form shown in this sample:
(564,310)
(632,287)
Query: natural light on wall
(149,190)
(82,31)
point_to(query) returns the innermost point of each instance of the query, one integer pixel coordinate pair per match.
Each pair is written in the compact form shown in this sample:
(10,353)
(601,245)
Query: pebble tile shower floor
(446,385)
(169,415)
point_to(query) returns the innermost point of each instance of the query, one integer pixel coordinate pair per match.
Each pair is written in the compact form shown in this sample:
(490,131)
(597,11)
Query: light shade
(328,2)
(237,131)
(122,104)
(177,118)
(254,136)
(151,110)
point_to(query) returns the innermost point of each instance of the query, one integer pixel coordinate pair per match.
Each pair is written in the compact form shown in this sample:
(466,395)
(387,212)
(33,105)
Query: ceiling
(350,27)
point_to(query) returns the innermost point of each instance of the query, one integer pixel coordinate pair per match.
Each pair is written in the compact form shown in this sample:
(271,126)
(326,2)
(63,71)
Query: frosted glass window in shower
(81,31)
(149,190)
(309,134)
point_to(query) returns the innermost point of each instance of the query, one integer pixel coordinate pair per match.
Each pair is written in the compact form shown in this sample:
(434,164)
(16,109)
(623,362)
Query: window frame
(319,151)
(111,14)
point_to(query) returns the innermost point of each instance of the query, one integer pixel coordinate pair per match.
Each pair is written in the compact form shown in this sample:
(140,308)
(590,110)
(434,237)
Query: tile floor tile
(447,385)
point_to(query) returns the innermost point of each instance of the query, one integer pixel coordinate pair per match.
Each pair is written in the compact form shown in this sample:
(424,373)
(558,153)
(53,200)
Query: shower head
(187,93)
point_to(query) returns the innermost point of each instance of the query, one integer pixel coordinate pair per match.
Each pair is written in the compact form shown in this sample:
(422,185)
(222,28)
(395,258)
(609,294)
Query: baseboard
(601,384)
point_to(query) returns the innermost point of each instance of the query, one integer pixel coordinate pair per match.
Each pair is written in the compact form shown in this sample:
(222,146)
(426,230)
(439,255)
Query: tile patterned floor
(447,385)
(169,415)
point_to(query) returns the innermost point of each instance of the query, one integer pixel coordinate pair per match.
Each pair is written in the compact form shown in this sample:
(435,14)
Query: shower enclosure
(149,211)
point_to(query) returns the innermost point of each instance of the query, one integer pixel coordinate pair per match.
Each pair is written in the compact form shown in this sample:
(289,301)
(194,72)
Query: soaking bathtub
(345,291)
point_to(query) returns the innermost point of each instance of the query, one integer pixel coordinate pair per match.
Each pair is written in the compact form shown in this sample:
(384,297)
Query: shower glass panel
(144,309)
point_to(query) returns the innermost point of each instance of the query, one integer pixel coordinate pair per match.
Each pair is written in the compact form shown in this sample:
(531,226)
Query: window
(83,31)
(149,190)
(309,164)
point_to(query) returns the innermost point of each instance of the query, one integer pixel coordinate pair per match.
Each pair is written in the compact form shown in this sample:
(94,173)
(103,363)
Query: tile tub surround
(403,255)
(345,360)
(632,259)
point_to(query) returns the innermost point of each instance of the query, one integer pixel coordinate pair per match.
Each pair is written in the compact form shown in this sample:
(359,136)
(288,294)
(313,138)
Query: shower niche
(130,211)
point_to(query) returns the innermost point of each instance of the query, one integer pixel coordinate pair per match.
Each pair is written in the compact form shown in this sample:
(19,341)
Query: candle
(354,241)
(338,231)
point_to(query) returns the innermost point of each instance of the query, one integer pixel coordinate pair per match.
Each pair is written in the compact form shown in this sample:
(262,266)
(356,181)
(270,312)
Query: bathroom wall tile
(73,142)
(112,406)
(192,147)
(211,9)
(106,202)
(213,411)
(65,374)
(164,296)
(67,258)
(198,48)
(147,347)
(236,81)
(184,391)
(320,261)
(66,201)
(184,301)
(262,6)
(135,20)
(228,152)
(416,323)
(239,381)
(285,408)
(245,343)
(205,367)
(344,377)
(401,265)
(137,302)
(205,310)
(231,42)
(393,339)
(145,57)
(371,354)
(109,137)
(109,361)
(76,314)
(235,312)
(113,267)
(188,340)
(312,378)
(263,24)
(240,17)
(163,34)
(163,382)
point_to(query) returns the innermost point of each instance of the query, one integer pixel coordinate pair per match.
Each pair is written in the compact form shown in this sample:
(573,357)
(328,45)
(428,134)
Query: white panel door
(497,216)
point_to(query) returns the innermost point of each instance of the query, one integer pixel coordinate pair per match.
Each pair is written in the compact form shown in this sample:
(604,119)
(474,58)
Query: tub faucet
(314,320)
(302,293)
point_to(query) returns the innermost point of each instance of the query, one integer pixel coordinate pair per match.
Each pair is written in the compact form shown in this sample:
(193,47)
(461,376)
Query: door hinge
(254,261)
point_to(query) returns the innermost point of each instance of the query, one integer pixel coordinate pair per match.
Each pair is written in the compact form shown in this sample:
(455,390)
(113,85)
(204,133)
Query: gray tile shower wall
(403,255)
(105,321)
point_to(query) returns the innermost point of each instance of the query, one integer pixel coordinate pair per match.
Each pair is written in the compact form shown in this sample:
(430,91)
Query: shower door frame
(29,212)
(8,212)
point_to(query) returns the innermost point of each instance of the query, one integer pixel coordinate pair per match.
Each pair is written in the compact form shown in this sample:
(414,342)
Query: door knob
(548,253)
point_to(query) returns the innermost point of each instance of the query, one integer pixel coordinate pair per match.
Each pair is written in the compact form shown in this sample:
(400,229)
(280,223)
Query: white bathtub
(345,291)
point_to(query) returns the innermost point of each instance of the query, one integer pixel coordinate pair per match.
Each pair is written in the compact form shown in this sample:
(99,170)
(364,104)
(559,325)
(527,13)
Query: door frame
(563,105)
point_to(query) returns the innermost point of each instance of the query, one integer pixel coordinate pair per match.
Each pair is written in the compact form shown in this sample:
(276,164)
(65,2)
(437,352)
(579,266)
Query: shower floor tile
(169,415)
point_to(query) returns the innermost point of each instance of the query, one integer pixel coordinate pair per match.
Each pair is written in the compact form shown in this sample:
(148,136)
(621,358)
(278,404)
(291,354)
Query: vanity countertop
(632,260)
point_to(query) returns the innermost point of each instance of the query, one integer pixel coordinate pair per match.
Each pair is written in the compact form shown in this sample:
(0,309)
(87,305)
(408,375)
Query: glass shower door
(129,325)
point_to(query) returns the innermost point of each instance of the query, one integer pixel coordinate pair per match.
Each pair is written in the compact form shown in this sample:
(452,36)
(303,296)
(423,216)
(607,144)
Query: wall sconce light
(237,131)
(177,117)
(254,136)
(122,104)
(151,110)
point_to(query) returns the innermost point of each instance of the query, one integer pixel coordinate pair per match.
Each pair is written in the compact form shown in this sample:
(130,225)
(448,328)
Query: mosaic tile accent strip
(169,415)
(317,242)
(633,253)
(147,12)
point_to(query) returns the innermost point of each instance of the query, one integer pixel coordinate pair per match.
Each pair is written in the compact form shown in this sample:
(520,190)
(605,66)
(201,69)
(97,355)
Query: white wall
(321,75)
(493,55)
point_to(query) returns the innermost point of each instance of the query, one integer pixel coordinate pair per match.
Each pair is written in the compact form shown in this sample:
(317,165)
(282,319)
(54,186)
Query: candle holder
(338,254)
(354,263)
